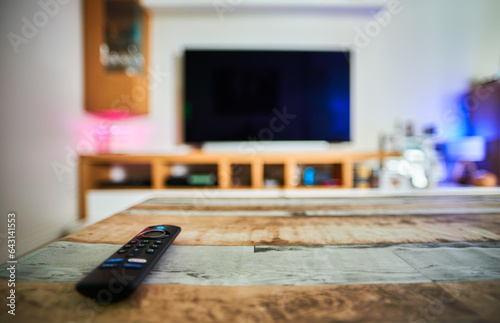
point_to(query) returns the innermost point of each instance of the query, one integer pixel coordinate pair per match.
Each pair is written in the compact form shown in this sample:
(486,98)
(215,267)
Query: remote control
(119,275)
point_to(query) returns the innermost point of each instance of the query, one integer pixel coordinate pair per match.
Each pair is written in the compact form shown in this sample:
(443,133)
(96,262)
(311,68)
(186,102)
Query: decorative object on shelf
(202,180)
(392,142)
(122,49)
(420,163)
(394,175)
(362,175)
(122,175)
(297,176)
(188,175)
(484,178)
(117,174)
(465,152)
(417,164)
(271,183)
(309,173)
(179,170)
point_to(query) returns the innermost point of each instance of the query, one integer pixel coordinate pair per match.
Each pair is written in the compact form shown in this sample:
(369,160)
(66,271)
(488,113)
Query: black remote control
(119,275)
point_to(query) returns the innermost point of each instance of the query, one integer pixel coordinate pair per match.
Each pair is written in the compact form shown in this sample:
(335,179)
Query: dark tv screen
(241,95)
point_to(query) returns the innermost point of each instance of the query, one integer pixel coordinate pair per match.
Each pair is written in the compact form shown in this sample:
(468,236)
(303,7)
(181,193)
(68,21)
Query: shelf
(319,175)
(318,187)
(125,187)
(228,171)
(241,175)
(274,175)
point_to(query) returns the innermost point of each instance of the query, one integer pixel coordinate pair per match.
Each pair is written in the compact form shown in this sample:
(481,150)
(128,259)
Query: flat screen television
(248,95)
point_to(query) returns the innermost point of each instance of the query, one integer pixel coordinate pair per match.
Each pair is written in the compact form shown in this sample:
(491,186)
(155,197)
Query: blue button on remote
(114,260)
(160,228)
(134,266)
(105,266)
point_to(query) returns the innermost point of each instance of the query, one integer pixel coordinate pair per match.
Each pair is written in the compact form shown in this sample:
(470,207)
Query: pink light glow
(103,136)
(113,115)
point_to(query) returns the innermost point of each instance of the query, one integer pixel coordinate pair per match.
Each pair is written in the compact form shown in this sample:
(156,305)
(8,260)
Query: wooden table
(378,259)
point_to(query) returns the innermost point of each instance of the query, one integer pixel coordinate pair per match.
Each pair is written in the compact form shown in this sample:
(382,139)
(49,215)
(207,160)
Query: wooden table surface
(378,259)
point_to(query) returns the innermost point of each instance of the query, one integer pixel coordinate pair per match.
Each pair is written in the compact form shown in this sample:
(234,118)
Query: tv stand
(244,169)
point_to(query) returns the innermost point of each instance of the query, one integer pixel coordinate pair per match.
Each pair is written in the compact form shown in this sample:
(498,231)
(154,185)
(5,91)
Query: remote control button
(152,234)
(145,241)
(137,250)
(130,255)
(138,260)
(132,242)
(126,246)
(141,245)
(132,266)
(114,260)
(122,251)
(154,246)
(107,266)
(150,251)
(157,242)
(161,227)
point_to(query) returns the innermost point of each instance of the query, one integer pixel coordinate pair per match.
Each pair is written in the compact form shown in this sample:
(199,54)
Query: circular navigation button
(157,234)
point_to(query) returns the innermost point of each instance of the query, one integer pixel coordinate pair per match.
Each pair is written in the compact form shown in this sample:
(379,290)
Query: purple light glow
(466,149)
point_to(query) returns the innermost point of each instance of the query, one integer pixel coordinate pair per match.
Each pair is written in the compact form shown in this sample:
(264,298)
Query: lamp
(465,152)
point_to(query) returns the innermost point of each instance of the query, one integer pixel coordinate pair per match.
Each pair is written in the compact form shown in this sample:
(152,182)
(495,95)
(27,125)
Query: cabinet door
(116,56)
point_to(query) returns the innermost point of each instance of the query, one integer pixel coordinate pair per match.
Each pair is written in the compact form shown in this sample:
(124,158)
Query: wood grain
(260,230)
(431,260)
(295,205)
(483,297)
(261,266)
(428,302)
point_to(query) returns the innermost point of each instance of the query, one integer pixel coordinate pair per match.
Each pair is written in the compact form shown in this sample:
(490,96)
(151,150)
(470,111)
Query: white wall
(41,99)
(412,69)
